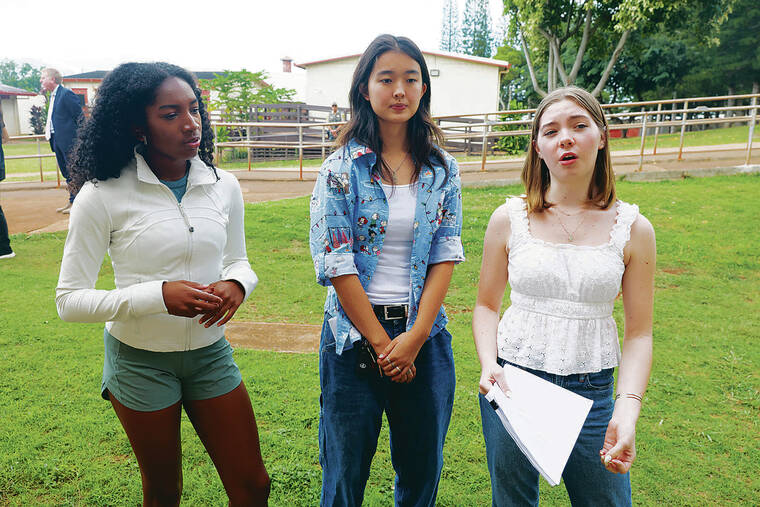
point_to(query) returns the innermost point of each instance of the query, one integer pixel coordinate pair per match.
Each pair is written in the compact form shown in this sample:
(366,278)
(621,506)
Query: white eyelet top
(560,317)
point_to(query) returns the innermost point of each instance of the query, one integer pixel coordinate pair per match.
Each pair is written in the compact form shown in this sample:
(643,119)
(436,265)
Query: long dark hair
(106,141)
(422,134)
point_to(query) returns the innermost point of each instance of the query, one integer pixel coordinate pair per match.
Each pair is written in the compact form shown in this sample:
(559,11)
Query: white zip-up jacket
(151,238)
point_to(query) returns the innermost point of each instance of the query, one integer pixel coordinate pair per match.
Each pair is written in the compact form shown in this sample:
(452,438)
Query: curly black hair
(106,141)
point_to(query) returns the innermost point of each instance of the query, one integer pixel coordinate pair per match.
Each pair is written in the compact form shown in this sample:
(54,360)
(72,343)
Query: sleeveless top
(560,317)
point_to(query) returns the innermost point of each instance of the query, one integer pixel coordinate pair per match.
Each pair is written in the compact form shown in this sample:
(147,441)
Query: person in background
(333,116)
(386,221)
(172,224)
(566,248)
(63,118)
(6,252)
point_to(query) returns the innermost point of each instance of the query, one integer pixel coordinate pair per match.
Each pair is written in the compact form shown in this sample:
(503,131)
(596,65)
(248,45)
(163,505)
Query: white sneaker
(8,256)
(64,209)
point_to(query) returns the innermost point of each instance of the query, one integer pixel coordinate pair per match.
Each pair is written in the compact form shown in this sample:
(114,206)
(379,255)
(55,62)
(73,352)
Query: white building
(15,115)
(460,84)
(288,77)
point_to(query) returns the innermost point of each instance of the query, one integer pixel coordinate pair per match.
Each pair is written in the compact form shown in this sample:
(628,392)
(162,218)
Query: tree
(651,67)
(733,63)
(476,29)
(238,90)
(450,35)
(22,75)
(562,32)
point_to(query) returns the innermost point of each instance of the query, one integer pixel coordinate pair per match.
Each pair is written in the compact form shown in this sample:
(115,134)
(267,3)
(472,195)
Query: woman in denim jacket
(386,219)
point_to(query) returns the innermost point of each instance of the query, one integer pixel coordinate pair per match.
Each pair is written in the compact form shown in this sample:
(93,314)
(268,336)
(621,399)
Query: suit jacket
(67,112)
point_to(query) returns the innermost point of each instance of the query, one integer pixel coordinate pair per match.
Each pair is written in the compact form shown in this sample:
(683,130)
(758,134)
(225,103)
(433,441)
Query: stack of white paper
(542,418)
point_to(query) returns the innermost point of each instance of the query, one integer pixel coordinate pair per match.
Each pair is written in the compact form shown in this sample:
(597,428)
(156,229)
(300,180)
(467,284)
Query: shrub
(512,145)
(38,119)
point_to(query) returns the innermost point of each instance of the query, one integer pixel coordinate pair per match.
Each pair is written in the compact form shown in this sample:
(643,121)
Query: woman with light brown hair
(566,248)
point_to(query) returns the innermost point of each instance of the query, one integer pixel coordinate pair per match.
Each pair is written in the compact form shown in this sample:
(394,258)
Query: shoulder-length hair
(535,173)
(106,141)
(423,135)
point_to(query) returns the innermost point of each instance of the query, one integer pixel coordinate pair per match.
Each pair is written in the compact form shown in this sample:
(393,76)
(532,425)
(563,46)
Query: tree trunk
(531,70)
(550,72)
(581,49)
(606,74)
(730,103)
(558,64)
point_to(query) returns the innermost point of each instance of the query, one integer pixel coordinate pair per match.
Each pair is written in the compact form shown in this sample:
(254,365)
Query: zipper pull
(184,217)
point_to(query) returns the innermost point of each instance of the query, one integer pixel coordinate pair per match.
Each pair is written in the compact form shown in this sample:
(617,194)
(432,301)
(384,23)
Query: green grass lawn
(61,444)
(730,135)
(29,165)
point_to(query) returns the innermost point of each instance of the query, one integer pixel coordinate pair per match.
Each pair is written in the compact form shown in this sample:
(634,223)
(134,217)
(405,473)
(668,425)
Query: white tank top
(390,282)
(562,297)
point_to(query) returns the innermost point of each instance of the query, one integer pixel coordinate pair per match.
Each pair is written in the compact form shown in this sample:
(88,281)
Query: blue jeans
(63,162)
(351,416)
(514,481)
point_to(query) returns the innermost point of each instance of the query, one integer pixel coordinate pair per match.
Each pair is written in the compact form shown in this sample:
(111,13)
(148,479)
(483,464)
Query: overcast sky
(83,35)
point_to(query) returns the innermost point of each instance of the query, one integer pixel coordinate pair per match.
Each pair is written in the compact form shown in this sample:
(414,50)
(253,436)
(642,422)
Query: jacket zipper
(189,253)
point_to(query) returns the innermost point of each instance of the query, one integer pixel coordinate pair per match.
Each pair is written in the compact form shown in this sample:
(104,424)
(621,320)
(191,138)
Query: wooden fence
(479,132)
(298,131)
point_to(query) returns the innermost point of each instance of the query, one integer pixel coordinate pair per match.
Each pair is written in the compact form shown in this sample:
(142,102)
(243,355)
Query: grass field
(19,170)
(731,135)
(60,444)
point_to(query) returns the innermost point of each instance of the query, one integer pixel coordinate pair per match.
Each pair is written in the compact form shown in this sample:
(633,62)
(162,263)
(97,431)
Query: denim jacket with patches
(349,212)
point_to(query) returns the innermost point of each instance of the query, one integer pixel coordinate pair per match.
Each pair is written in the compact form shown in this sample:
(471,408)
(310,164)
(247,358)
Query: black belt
(391,312)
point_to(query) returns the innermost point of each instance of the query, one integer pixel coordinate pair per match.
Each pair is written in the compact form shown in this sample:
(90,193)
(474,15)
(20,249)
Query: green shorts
(147,381)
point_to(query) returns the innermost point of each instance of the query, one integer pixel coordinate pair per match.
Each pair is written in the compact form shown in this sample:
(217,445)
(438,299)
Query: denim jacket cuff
(339,264)
(446,249)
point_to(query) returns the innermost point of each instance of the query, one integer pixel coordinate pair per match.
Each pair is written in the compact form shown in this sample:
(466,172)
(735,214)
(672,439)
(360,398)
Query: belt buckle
(387,317)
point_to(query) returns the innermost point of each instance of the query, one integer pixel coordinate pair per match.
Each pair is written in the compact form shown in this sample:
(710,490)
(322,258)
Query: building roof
(98,75)
(12,90)
(208,74)
(93,74)
(445,54)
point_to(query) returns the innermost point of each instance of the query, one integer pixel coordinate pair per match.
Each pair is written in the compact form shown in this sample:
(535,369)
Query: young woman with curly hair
(172,224)
(386,221)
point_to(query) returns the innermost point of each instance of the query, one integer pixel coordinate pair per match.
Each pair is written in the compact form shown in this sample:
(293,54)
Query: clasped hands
(396,359)
(216,302)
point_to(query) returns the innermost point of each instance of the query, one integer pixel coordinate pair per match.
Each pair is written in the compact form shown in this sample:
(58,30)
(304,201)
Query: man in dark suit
(64,114)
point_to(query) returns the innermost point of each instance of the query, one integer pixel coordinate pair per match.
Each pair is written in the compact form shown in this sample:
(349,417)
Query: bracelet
(628,395)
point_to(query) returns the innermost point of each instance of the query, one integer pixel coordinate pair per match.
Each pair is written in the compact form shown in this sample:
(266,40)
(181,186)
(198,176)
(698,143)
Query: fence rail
(471,133)
(39,155)
(477,132)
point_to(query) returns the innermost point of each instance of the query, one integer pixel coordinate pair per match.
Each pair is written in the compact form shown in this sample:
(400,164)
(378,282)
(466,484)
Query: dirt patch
(298,338)
(33,210)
